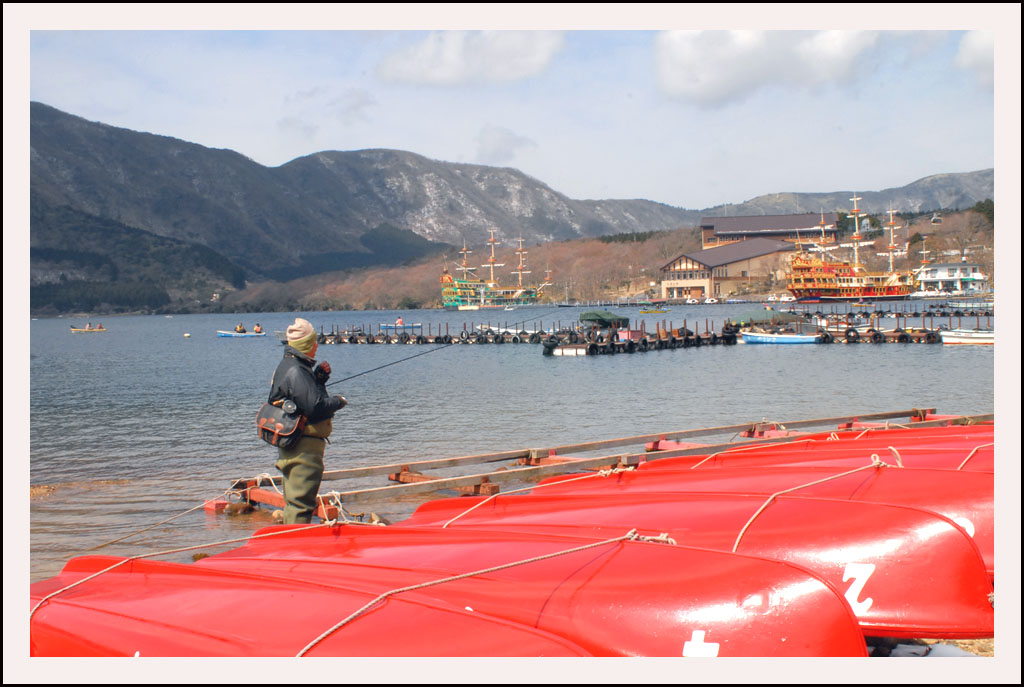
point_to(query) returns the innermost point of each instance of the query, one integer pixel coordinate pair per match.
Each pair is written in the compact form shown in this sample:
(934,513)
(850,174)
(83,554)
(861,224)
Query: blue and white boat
(779,338)
(240,335)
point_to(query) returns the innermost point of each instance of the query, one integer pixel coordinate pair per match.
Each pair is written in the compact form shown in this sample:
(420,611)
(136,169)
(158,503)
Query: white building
(958,278)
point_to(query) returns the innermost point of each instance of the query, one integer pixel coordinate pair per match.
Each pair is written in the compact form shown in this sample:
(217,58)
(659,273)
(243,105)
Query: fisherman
(399,321)
(297,379)
(240,329)
(258,329)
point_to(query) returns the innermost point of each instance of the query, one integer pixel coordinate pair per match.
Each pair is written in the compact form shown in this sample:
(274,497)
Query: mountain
(179,220)
(937,192)
(319,207)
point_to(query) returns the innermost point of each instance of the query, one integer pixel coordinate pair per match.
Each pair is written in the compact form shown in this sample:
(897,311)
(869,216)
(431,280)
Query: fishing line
(443,346)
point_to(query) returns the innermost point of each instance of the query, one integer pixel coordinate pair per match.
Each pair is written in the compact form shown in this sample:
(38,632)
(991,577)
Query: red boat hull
(627,598)
(906,572)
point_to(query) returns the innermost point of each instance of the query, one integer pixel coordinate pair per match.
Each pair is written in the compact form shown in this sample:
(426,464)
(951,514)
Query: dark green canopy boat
(603,318)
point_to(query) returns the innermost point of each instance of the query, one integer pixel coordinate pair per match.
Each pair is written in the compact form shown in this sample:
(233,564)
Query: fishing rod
(381,367)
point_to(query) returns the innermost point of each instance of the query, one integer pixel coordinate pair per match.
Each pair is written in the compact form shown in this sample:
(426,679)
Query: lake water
(141,423)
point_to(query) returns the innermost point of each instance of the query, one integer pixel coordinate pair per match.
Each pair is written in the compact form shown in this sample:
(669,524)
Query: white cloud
(458,57)
(352,106)
(976,55)
(498,146)
(715,67)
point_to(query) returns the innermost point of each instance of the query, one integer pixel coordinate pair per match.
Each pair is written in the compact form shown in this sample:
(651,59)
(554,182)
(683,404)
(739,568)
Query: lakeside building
(805,227)
(715,272)
(959,278)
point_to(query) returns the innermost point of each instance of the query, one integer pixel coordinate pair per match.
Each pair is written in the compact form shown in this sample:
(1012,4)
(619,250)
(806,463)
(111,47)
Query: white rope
(163,553)
(599,473)
(892,449)
(875,463)
(747,448)
(971,454)
(259,481)
(631,535)
(162,522)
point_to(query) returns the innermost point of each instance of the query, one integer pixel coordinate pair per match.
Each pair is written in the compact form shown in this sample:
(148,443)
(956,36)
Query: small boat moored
(978,337)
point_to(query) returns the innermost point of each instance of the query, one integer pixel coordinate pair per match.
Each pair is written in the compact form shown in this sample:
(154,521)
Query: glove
(322,372)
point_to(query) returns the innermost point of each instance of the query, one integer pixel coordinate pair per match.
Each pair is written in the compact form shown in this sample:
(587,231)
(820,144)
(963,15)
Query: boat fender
(403,338)
(714,339)
(517,339)
(573,337)
(931,337)
(877,337)
(534,338)
(384,338)
(498,339)
(958,313)
(600,338)
(524,334)
(852,335)
(903,338)
(826,338)
(464,335)
(370,339)
(421,339)
(730,339)
(592,349)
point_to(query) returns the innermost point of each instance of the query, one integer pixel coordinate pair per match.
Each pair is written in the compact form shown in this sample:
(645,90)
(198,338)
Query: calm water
(141,423)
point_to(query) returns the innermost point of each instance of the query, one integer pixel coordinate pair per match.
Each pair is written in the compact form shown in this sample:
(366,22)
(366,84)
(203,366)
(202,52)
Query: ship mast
(856,230)
(522,263)
(467,271)
(892,237)
(491,263)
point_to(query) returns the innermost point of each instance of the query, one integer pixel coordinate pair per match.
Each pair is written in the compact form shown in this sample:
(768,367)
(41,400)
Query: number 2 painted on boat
(859,572)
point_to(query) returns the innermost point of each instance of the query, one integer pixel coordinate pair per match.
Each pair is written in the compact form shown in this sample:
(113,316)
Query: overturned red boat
(365,591)
(906,572)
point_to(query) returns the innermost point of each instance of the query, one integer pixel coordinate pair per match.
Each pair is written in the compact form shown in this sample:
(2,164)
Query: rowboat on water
(240,335)
(88,330)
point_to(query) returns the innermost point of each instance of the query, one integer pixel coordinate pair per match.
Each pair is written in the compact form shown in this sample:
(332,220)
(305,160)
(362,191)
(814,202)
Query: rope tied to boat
(258,479)
(876,462)
(629,536)
(226,492)
(743,448)
(892,449)
(971,454)
(167,552)
(600,473)
(334,498)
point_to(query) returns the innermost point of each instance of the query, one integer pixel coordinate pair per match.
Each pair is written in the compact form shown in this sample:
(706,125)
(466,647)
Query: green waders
(303,470)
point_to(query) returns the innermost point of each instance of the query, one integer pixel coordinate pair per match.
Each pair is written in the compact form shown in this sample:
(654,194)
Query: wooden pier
(532,464)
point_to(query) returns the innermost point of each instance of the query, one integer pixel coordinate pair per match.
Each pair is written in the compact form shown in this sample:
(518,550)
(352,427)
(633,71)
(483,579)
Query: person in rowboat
(301,380)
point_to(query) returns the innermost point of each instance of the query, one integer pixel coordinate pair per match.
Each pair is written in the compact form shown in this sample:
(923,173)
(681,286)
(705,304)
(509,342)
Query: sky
(665,112)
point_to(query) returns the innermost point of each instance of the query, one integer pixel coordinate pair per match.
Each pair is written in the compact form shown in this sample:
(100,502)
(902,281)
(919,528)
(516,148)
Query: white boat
(979,337)
(239,335)
(779,338)
(692,301)
(709,301)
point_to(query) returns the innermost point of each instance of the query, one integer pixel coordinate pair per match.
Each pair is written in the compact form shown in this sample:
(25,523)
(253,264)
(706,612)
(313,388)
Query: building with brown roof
(818,227)
(725,270)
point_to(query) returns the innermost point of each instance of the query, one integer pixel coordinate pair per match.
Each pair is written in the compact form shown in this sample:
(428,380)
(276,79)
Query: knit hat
(301,335)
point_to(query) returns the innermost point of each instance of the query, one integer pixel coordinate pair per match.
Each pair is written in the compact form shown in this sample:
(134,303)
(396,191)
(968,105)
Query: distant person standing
(301,380)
